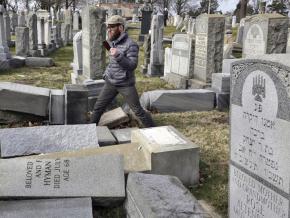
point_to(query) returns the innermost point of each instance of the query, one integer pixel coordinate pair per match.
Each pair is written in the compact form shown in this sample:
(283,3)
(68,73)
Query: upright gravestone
(209,43)
(260,124)
(182,61)
(21,19)
(94,33)
(22,41)
(32,25)
(156,66)
(146,20)
(76,22)
(47,31)
(265,34)
(68,20)
(58,39)
(147,51)
(240,33)
(78,55)
(14,21)
(7,27)
(288,42)
(4,50)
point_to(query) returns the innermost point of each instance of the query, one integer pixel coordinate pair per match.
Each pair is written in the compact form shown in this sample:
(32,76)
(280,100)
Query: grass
(209,130)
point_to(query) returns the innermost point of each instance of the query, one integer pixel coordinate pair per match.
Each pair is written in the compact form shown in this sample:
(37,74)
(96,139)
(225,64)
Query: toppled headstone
(46,139)
(169,153)
(160,196)
(105,137)
(76,104)
(123,135)
(100,177)
(24,98)
(47,208)
(56,106)
(17,61)
(113,118)
(7,117)
(178,100)
(39,62)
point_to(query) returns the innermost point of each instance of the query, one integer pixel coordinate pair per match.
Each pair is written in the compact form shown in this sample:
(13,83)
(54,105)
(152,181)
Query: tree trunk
(243,9)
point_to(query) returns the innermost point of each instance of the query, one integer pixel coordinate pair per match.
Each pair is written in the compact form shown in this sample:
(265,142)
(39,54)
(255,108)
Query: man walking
(119,75)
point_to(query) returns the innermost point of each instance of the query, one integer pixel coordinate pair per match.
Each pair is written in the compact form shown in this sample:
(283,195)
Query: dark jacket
(120,71)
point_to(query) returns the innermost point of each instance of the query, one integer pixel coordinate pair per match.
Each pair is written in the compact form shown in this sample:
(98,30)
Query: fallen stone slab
(178,81)
(47,208)
(134,157)
(94,86)
(114,118)
(39,62)
(221,82)
(178,100)
(56,107)
(105,137)
(24,98)
(160,196)
(7,117)
(100,177)
(76,104)
(123,135)
(17,61)
(46,139)
(168,152)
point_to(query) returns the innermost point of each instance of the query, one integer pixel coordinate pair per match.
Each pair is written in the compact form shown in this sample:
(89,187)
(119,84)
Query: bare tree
(180,6)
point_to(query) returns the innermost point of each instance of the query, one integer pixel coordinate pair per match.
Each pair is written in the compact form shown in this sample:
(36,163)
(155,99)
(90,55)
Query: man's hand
(114,52)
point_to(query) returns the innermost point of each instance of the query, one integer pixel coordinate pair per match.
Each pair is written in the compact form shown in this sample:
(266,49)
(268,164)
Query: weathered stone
(177,80)
(221,82)
(208,46)
(4,50)
(160,196)
(105,137)
(76,104)
(259,152)
(24,98)
(122,135)
(265,34)
(100,177)
(179,100)
(78,54)
(56,107)
(32,25)
(39,62)
(227,65)
(222,101)
(182,61)
(47,208)
(17,61)
(167,60)
(94,33)
(47,139)
(22,41)
(113,118)
(145,23)
(156,65)
(8,117)
(169,153)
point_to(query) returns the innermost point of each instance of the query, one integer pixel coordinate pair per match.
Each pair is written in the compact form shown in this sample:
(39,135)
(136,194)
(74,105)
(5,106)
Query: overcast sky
(227,5)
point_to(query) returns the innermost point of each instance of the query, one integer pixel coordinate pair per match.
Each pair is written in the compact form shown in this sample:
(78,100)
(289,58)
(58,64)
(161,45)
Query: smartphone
(106,45)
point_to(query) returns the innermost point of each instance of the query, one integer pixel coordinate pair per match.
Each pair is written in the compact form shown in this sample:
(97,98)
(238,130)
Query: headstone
(4,50)
(24,98)
(40,35)
(259,157)
(169,153)
(208,46)
(47,139)
(100,177)
(123,135)
(288,42)
(76,25)
(32,25)
(38,62)
(47,31)
(76,104)
(78,54)
(182,61)
(105,137)
(7,27)
(167,60)
(94,33)
(191,27)
(234,21)
(59,41)
(68,20)
(14,21)
(22,41)
(156,65)
(21,19)
(265,34)
(239,37)
(56,106)
(145,22)
(165,101)
(221,82)
(47,208)
(113,118)
(147,51)
(228,23)
(160,196)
